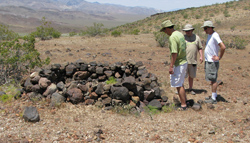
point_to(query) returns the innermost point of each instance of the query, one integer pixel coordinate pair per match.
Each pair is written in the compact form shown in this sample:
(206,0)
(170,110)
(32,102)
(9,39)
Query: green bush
(17,57)
(226,13)
(6,34)
(161,38)
(71,34)
(135,32)
(116,33)
(239,43)
(45,32)
(94,30)
(185,16)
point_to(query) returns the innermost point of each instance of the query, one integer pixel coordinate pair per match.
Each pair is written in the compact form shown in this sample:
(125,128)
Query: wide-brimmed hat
(208,24)
(165,24)
(188,27)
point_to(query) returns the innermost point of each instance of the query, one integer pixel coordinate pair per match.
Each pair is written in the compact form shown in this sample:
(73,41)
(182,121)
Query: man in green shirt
(178,61)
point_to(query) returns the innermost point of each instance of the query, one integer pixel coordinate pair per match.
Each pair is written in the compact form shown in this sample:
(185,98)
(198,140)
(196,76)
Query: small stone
(211,132)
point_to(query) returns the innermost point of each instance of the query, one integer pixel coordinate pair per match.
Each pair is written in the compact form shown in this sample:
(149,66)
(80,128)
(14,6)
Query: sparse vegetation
(161,38)
(226,13)
(151,110)
(135,32)
(11,91)
(111,80)
(116,33)
(17,57)
(45,31)
(239,43)
(71,34)
(95,30)
(6,34)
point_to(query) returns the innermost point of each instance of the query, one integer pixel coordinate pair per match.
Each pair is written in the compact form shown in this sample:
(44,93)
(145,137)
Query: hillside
(231,18)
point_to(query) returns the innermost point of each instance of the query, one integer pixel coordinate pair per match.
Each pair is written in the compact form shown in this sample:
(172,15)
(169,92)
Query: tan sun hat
(208,24)
(188,27)
(165,24)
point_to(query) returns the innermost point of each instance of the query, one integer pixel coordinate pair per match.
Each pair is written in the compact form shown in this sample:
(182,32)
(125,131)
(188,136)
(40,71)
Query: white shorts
(177,79)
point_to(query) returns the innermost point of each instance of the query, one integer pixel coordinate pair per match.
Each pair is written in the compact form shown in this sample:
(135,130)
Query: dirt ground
(226,122)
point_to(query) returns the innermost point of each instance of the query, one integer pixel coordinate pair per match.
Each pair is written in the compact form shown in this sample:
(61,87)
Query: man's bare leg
(182,95)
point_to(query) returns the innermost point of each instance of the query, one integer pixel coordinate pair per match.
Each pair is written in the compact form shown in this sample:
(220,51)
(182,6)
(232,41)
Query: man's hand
(215,58)
(171,70)
(201,60)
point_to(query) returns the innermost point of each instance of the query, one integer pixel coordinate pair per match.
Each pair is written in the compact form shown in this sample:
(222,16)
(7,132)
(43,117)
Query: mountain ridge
(73,15)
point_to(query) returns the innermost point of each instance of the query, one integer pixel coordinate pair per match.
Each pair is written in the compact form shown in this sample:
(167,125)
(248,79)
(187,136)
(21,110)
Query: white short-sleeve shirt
(212,46)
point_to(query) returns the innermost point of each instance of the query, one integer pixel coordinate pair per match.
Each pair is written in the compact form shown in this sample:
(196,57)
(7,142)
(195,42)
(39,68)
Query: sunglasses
(205,28)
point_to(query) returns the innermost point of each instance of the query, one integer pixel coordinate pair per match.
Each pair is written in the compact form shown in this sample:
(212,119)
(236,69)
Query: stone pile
(88,83)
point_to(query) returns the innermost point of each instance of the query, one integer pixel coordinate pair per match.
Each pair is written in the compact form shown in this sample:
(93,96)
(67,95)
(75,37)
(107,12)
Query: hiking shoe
(211,101)
(183,108)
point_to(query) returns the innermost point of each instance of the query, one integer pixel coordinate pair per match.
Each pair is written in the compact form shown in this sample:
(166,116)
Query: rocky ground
(227,121)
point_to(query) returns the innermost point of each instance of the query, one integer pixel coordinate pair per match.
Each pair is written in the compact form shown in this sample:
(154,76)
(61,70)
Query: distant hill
(67,15)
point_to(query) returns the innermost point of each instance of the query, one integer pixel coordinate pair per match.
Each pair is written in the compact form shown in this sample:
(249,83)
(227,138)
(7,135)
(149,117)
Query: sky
(165,5)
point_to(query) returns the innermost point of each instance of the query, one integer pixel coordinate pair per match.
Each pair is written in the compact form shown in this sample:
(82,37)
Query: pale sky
(165,5)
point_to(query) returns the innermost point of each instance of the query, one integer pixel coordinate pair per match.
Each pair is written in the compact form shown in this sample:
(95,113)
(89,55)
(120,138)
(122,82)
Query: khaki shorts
(191,70)
(211,71)
(177,79)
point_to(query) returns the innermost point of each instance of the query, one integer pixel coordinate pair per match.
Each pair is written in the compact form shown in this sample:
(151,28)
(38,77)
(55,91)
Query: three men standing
(183,57)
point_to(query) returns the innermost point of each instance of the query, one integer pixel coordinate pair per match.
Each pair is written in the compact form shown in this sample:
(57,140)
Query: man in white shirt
(213,46)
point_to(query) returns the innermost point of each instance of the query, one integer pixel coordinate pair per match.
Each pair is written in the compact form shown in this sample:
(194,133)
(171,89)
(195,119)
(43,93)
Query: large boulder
(31,114)
(120,93)
(57,99)
(44,82)
(75,95)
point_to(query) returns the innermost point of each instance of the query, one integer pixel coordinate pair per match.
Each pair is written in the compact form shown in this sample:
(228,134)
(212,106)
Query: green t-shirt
(177,44)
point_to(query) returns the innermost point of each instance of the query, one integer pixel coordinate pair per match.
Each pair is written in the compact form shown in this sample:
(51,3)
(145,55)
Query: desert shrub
(197,16)
(211,15)
(218,22)
(94,30)
(239,43)
(185,16)
(56,34)
(17,57)
(6,34)
(135,32)
(45,31)
(71,34)
(161,38)
(232,27)
(116,33)
(226,13)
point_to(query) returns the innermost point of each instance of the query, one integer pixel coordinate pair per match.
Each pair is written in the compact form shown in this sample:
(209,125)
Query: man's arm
(173,59)
(222,50)
(201,55)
